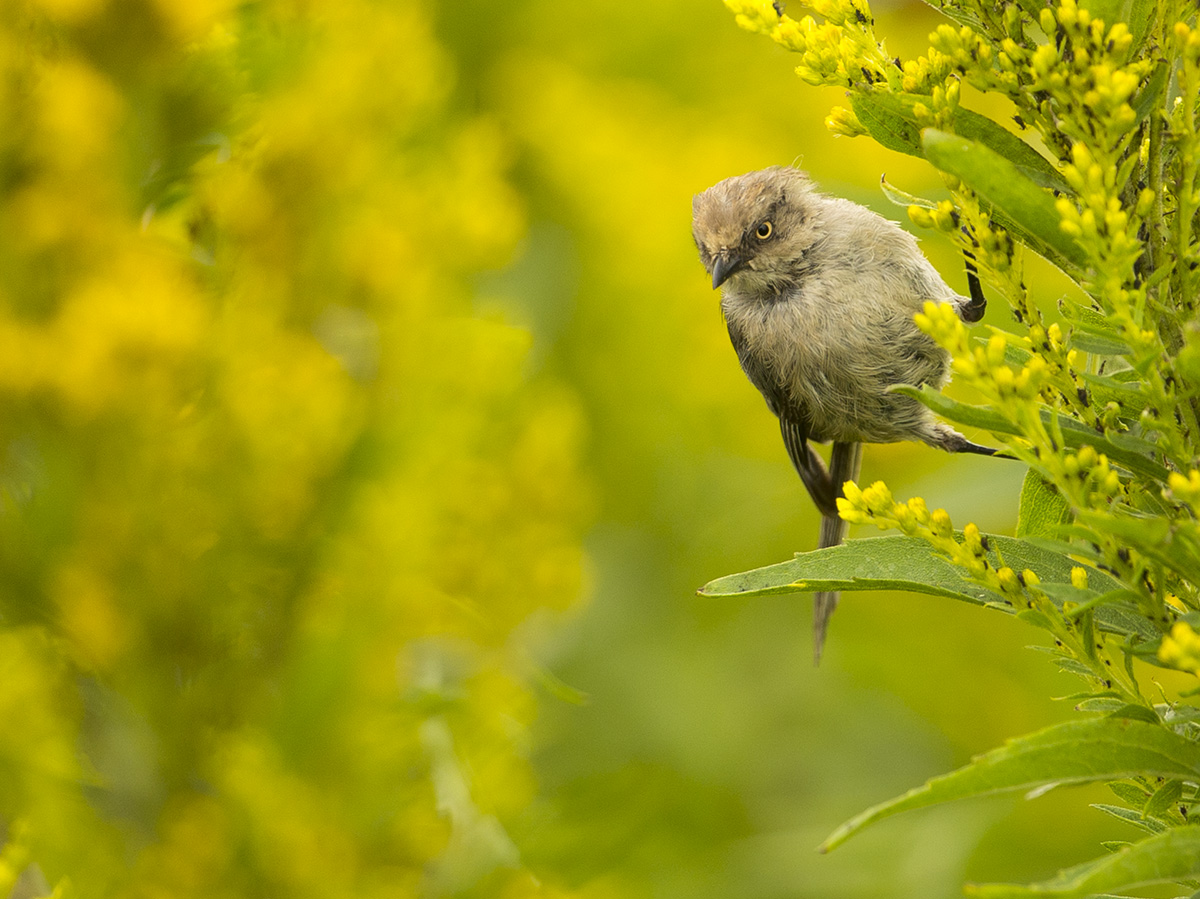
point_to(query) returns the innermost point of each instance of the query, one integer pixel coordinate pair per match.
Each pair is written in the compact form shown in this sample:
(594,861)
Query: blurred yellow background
(368,426)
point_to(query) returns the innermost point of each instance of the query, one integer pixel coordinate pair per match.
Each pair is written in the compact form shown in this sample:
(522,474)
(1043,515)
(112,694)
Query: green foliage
(1075,752)
(1100,179)
(904,563)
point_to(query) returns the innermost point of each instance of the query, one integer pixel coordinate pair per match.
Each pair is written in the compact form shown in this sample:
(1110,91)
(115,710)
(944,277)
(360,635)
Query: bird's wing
(808,465)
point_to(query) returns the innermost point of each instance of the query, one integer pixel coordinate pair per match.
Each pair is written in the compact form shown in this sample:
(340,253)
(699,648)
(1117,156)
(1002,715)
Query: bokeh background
(367,426)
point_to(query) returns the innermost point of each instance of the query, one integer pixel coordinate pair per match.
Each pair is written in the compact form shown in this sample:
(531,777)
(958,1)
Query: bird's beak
(725,266)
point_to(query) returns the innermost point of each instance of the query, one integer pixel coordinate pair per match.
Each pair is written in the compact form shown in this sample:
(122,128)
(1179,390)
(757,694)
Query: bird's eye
(765,230)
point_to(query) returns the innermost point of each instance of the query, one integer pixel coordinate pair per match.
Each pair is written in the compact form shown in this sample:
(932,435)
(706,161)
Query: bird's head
(756,227)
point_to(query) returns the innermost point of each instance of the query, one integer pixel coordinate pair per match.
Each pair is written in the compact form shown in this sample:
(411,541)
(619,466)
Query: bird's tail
(844,464)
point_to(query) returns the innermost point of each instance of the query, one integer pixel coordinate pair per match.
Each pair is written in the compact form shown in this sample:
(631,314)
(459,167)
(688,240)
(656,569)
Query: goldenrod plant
(273,497)
(1092,165)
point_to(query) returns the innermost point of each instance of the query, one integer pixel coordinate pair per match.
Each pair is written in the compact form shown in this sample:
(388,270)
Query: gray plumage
(819,295)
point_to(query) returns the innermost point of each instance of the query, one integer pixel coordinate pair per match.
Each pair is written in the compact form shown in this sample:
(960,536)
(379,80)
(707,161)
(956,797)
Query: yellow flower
(1181,648)
(759,16)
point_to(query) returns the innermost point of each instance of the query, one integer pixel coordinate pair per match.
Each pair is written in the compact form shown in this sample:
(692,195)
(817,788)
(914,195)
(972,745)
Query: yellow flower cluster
(952,50)
(1097,480)
(985,366)
(839,50)
(276,499)
(1100,221)
(758,16)
(1181,648)
(944,216)
(1185,489)
(970,550)
(1086,475)
(1050,371)
(1090,66)
(843,121)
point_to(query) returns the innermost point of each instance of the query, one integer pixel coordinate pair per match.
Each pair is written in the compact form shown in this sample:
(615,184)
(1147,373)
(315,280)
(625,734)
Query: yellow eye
(763,231)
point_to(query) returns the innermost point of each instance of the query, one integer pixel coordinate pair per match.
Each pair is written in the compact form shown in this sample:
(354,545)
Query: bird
(819,296)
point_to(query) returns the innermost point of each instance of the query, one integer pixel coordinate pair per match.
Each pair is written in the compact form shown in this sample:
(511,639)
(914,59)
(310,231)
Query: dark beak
(726,266)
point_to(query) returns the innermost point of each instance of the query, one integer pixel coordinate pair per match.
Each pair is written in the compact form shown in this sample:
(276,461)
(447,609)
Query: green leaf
(1111,388)
(1028,161)
(1135,713)
(1021,204)
(1092,703)
(904,198)
(1101,346)
(957,14)
(1073,667)
(1167,857)
(1150,97)
(1156,538)
(983,417)
(899,563)
(1131,452)
(1129,793)
(909,563)
(1129,816)
(876,563)
(1093,331)
(1164,798)
(1042,508)
(1070,753)
(891,120)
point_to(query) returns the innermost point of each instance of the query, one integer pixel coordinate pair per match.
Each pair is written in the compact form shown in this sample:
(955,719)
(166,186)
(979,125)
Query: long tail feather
(844,464)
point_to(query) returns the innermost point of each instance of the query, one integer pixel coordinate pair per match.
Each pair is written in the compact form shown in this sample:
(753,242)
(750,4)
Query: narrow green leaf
(1068,593)
(1168,857)
(1129,816)
(1135,713)
(904,198)
(876,563)
(1131,452)
(1026,208)
(1085,600)
(983,417)
(1151,96)
(1090,326)
(1122,389)
(1042,508)
(1156,538)
(1100,346)
(1097,704)
(899,563)
(1036,618)
(1074,752)
(957,14)
(889,120)
(1029,162)
(1164,798)
(1130,793)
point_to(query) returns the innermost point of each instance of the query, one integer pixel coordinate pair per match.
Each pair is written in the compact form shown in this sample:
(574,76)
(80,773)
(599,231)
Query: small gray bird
(819,295)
